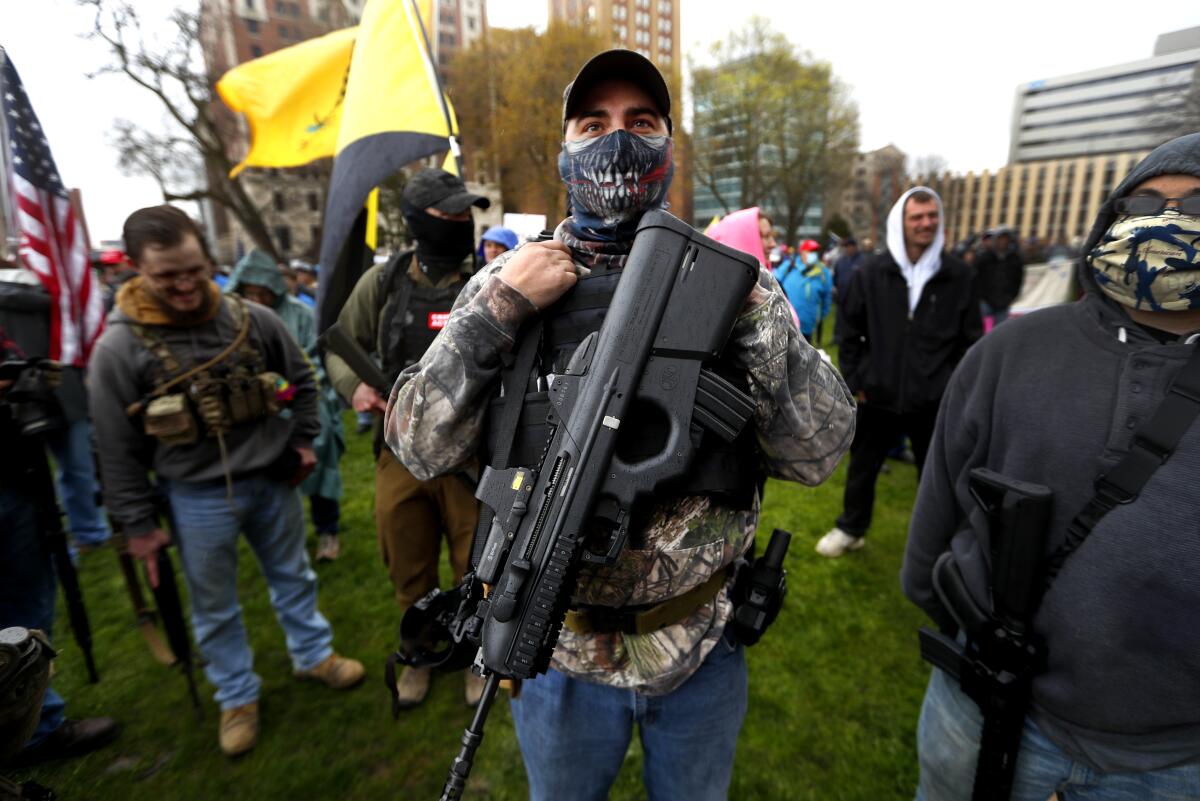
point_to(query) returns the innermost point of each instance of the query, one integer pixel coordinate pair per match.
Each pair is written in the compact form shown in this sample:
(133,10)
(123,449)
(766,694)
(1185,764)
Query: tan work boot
(412,686)
(473,690)
(335,671)
(239,729)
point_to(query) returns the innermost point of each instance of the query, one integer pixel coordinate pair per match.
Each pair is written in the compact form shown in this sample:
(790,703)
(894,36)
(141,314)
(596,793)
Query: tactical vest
(231,389)
(414,318)
(728,471)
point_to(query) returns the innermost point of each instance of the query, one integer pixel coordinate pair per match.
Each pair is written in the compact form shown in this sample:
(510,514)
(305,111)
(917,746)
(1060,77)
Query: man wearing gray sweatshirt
(212,395)
(1055,398)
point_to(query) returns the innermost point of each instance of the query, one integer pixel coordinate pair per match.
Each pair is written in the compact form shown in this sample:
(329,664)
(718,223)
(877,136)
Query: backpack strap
(1152,445)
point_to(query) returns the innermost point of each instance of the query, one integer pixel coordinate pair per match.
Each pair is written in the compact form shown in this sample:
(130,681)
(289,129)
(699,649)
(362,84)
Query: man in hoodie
(907,320)
(684,684)
(395,311)
(256,277)
(189,384)
(1060,397)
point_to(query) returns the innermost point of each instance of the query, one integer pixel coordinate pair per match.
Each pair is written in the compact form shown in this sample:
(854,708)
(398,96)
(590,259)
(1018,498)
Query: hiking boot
(473,689)
(412,686)
(335,671)
(838,542)
(239,729)
(328,547)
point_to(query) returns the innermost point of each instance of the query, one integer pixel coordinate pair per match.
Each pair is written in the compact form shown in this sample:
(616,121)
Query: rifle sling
(515,380)
(1152,445)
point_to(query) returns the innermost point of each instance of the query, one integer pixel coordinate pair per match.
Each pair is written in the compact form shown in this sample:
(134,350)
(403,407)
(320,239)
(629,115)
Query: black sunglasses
(1145,205)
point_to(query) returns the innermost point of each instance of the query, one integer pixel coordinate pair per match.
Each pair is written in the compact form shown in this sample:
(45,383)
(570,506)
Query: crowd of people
(212,411)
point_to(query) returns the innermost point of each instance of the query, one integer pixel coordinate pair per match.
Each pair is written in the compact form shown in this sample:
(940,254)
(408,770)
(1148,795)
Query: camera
(31,401)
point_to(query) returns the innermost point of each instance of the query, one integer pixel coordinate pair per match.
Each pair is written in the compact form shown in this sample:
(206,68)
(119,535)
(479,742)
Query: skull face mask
(612,179)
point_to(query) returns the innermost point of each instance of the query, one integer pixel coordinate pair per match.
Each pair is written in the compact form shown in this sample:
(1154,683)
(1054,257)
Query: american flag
(52,241)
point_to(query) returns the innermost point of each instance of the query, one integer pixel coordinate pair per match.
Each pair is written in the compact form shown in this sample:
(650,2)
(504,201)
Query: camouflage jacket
(804,416)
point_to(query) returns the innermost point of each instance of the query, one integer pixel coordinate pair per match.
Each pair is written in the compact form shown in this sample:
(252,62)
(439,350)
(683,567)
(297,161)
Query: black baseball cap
(441,190)
(618,64)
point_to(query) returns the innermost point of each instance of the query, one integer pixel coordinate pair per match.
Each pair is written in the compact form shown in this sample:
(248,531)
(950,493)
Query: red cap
(112,256)
(809,244)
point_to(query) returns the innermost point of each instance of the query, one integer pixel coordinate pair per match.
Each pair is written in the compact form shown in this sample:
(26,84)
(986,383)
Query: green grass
(834,689)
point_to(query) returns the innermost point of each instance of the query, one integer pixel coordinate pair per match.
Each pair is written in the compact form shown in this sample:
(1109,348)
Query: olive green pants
(412,517)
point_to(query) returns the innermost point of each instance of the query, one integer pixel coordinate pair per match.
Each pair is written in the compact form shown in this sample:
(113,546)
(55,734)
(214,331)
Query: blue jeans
(998,315)
(271,516)
(72,448)
(27,588)
(574,734)
(948,746)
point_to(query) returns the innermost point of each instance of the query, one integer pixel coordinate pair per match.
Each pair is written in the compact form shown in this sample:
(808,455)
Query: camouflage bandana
(1150,262)
(613,179)
(595,255)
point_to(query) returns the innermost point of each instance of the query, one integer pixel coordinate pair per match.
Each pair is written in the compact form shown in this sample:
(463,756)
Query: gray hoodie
(122,372)
(1054,398)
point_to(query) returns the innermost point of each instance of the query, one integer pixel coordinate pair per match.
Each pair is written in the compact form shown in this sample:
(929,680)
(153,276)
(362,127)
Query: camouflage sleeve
(436,409)
(803,410)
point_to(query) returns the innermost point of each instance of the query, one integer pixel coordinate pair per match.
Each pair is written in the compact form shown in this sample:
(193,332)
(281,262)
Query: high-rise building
(1116,109)
(459,23)
(650,27)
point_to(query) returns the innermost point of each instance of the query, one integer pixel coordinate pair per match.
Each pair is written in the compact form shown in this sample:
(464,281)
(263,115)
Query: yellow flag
(292,99)
(393,115)
(373,218)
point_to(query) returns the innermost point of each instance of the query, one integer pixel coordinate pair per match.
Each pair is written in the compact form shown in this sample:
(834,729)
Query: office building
(1115,109)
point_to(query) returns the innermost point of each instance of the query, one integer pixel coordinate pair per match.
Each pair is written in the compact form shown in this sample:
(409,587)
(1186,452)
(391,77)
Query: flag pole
(6,197)
(441,92)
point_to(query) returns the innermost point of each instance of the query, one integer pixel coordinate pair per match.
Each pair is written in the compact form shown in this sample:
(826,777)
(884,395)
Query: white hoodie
(916,275)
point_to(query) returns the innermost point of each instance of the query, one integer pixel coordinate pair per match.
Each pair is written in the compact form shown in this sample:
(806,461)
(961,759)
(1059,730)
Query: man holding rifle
(395,311)
(191,385)
(684,682)
(1096,402)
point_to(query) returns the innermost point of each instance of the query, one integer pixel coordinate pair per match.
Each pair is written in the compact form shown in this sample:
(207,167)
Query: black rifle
(1002,654)
(336,340)
(166,596)
(36,413)
(673,311)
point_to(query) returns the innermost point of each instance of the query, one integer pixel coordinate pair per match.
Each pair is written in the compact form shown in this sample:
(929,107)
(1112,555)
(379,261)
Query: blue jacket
(809,289)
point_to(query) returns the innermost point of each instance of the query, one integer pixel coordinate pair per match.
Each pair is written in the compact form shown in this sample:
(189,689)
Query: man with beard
(395,311)
(190,385)
(909,316)
(684,684)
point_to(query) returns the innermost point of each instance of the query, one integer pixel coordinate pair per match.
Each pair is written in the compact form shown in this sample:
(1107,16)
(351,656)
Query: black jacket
(903,364)
(999,277)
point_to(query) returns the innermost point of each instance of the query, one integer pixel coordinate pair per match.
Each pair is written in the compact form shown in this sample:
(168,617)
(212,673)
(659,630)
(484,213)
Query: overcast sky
(933,78)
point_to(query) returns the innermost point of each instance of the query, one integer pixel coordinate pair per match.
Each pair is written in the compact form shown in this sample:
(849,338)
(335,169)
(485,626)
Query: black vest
(729,471)
(415,315)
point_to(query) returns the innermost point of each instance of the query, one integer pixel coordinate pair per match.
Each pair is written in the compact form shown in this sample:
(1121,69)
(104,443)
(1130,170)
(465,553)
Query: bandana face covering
(612,179)
(442,245)
(1150,262)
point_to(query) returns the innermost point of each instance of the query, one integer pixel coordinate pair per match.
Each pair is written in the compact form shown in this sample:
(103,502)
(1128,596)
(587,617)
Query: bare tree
(191,160)
(927,167)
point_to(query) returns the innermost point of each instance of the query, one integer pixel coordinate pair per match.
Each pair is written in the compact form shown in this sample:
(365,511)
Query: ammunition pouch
(170,420)
(228,391)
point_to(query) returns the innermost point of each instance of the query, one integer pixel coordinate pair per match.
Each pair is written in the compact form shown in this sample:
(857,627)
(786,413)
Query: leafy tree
(507,93)
(773,119)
